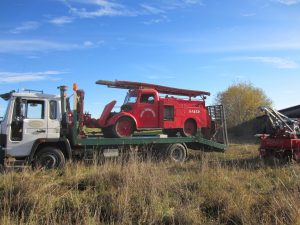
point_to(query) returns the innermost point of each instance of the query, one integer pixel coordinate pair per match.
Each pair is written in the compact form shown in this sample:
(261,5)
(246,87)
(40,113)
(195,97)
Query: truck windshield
(130,98)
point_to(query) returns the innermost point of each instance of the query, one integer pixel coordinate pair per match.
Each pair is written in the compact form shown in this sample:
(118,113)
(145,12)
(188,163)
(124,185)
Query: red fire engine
(280,141)
(144,108)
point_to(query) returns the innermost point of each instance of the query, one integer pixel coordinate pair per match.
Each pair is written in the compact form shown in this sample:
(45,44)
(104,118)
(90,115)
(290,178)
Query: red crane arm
(159,88)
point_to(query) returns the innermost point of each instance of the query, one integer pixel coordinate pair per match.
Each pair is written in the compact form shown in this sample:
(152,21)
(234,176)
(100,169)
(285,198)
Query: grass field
(210,188)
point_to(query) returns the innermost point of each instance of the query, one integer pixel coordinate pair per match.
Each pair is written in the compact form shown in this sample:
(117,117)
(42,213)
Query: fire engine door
(28,124)
(148,111)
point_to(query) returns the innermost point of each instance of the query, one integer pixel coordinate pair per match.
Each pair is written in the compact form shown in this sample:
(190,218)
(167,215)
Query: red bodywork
(146,109)
(280,147)
(166,113)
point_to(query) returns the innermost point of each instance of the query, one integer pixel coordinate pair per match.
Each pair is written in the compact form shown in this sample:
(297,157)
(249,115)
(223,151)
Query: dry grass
(210,188)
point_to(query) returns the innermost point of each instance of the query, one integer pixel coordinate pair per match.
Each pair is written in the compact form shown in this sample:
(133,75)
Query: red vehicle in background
(280,143)
(145,109)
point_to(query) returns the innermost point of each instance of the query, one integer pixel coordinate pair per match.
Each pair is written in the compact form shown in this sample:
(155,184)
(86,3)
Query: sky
(204,45)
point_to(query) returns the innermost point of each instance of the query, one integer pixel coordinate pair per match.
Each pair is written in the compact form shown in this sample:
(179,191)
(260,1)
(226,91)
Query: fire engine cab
(145,108)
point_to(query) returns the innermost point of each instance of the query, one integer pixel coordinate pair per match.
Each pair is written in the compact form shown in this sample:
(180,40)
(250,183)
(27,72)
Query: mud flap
(2,156)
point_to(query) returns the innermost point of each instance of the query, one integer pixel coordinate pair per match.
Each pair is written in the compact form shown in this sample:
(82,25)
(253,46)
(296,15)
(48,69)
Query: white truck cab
(28,117)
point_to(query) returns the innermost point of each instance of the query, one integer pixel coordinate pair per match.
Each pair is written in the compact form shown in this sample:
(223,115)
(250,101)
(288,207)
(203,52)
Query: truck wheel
(189,129)
(124,127)
(49,158)
(177,152)
(270,160)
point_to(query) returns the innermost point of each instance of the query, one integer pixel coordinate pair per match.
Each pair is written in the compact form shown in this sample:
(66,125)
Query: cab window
(147,98)
(35,109)
(53,110)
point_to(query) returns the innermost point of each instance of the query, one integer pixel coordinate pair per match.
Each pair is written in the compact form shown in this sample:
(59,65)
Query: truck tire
(124,127)
(177,152)
(189,129)
(49,158)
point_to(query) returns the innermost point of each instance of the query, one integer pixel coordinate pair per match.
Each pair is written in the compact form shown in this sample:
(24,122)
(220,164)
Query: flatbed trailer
(53,152)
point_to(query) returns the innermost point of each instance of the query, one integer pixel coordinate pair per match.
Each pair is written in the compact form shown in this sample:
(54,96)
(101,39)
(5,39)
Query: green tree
(241,102)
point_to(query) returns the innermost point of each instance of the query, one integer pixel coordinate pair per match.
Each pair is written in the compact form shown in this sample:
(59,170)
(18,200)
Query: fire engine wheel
(124,127)
(49,158)
(189,129)
(177,152)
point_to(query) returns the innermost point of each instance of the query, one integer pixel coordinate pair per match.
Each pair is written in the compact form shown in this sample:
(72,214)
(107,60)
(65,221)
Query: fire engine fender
(196,120)
(116,117)
(66,147)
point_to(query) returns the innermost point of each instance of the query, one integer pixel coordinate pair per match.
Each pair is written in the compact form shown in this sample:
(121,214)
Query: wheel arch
(195,120)
(118,116)
(61,143)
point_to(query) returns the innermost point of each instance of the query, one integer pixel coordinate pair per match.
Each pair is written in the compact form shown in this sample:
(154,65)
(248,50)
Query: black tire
(177,152)
(124,127)
(189,129)
(49,158)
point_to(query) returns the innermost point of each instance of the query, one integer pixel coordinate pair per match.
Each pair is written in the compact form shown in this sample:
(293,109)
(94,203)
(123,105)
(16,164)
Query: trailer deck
(147,140)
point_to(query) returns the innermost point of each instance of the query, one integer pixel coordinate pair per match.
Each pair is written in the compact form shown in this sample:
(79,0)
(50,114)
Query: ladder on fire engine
(279,121)
(217,115)
(159,88)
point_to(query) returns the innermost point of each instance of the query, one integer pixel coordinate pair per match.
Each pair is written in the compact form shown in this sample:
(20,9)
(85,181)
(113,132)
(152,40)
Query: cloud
(31,46)
(103,8)
(17,77)
(288,2)
(278,62)
(61,20)
(100,8)
(248,14)
(163,19)
(25,26)
(175,4)
(151,9)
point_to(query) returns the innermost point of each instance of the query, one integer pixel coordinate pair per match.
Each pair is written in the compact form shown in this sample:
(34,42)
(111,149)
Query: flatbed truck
(36,130)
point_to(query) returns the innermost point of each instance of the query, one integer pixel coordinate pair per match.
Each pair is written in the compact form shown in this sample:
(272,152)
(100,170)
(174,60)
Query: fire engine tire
(177,152)
(124,127)
(189,129)
(49,158)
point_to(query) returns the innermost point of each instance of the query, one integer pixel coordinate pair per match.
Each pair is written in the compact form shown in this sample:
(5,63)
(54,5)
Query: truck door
(148,110)
(53,119)
(28,123)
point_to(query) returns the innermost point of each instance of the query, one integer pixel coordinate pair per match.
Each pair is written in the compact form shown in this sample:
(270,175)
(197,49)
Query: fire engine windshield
(130,98)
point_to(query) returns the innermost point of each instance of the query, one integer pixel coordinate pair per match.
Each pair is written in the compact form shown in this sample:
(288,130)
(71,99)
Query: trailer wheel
(189,128)
(49,158)
(124,127)
(177,152)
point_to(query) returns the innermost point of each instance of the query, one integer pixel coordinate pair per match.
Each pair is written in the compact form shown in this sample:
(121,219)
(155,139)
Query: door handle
(41,131)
